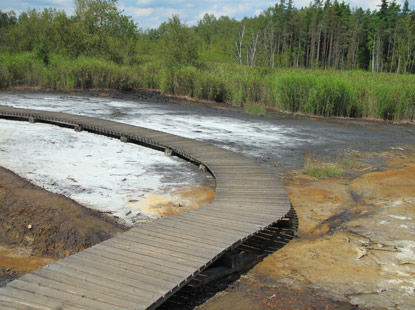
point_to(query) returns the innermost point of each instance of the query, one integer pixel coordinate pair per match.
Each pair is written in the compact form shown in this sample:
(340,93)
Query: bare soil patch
(38,227)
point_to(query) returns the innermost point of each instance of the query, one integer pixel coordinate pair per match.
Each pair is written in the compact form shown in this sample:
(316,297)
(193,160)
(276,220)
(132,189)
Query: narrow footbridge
(143,267)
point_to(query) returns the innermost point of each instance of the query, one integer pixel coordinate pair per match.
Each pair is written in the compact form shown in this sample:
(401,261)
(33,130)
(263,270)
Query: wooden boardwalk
(141,268)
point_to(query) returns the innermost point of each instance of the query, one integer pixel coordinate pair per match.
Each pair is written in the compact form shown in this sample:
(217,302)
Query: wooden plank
(112,273)
(236,216)
(136,268)
(236,230)
(82,281)
(179,260)
(166,271)
(210,217)
(176,244)
(162,251)
(74,289)
(99,278)
(151,283)
(177,268)
(72,300)
(272,214)
(224,232)
(9,305)
(32,301)
(200,242)
(197,236)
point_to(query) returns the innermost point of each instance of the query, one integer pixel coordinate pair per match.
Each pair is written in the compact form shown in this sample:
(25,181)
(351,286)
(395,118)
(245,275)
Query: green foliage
(255,109)
(24,69)
(180,45)
(344,93)
(324,172)
(42,52)
(316,93)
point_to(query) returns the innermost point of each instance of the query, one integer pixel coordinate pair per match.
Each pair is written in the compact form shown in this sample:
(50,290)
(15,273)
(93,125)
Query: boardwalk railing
(141,268)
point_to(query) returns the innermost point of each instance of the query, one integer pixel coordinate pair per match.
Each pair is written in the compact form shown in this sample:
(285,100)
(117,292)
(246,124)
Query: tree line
(323,35)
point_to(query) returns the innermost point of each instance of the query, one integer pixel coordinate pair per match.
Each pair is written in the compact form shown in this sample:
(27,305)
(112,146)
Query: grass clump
(324,171)
(318,169)
(344,162)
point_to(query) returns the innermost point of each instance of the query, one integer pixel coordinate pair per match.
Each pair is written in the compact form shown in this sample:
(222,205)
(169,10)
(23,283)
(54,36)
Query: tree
(179,44)
(104,29)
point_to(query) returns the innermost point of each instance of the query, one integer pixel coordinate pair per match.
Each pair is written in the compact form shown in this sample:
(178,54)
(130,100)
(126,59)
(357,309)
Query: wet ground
(355,242)
(39,227)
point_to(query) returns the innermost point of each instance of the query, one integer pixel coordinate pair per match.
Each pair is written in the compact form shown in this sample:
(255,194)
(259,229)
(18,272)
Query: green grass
(318,169)
(327,93)
(255,109)
(324,172)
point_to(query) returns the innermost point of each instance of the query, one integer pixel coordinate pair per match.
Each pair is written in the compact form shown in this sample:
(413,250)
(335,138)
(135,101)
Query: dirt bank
(38,227)
(355,245)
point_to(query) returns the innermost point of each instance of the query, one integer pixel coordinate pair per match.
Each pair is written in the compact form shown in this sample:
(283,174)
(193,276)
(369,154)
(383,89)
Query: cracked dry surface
(355,245)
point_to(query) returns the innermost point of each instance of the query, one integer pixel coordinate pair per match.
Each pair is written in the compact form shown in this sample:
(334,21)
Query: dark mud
(38,227)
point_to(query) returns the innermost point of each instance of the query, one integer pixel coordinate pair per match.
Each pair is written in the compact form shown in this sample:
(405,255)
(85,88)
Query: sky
(151,13)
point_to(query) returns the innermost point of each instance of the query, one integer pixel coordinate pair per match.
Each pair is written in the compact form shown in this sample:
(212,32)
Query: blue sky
(150,13)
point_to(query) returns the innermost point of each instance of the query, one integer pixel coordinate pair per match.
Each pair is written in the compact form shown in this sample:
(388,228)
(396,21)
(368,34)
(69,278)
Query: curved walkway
(141,268)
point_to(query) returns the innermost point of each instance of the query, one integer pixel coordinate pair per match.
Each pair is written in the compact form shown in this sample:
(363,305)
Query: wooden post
(78,128)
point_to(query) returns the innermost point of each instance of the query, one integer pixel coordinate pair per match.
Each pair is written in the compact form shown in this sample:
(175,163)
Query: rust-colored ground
(38,227)
(179,201)
(355,245)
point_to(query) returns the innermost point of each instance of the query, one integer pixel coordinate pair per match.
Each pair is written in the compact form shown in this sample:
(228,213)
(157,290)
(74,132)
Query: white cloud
(143,12)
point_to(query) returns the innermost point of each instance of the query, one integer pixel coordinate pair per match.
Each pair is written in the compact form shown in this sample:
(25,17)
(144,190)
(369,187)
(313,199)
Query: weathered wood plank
(76,290)
(72,300)
(81,280)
